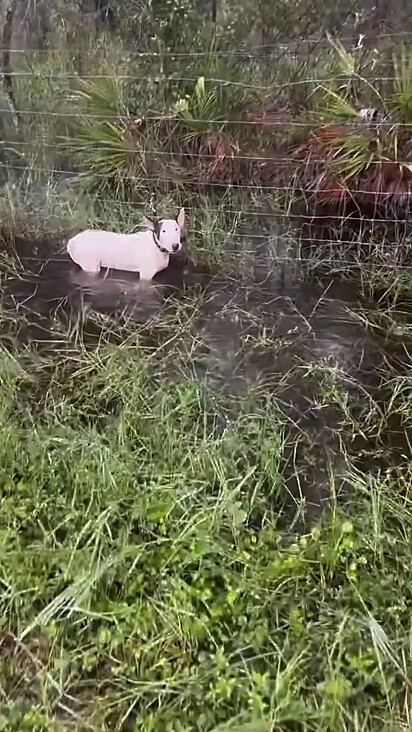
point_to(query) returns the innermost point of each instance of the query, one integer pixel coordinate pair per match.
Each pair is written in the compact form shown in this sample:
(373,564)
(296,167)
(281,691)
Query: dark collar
(160,248)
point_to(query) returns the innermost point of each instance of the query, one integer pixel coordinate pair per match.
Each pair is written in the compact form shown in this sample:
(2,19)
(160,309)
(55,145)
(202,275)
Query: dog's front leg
(146,274)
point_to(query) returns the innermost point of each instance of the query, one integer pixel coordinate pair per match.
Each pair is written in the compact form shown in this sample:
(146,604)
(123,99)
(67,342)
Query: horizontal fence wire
(175,153)
(207,79)
(279,260)
(258,258)
(252,213)
(284,237)
(162,179)
(220,123)
(295,237)
(282,45)
(278,215)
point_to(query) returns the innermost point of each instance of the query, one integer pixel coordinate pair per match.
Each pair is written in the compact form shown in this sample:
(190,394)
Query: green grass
(160,567)
(145,570)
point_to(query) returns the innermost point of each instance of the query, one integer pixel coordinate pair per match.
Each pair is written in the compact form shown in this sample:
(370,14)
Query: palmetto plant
(401,101)
(348,156)
(114,152)
(212,102)
(210,127)
(101,141)
(197,110)
(349,159)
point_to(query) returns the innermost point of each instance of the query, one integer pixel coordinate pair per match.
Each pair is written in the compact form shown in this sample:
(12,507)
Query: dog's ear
(180,218)
(148,223)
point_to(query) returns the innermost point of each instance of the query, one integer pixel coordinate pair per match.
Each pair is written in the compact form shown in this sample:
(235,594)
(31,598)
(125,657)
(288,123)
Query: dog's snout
(175,247)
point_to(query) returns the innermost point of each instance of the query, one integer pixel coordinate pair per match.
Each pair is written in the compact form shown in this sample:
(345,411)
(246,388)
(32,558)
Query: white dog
(146,252)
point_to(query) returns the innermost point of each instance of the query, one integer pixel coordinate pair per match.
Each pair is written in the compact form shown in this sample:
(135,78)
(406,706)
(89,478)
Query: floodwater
(304,343)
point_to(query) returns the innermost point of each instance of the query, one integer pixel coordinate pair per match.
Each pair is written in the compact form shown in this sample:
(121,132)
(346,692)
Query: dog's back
(92,249)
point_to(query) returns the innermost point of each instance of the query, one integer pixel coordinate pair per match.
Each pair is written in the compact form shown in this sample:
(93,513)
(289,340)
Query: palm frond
(333,106)
(198,109)
(345,61)
(402,98)
(101,141)
(99,96)
(351,155)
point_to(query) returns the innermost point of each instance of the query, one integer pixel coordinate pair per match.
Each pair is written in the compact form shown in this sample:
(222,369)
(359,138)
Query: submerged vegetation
(205,498)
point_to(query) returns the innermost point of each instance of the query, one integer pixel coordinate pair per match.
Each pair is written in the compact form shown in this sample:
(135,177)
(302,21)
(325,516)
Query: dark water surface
(303,342)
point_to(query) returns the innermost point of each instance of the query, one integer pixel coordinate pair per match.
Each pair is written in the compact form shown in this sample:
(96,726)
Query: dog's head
(167,232)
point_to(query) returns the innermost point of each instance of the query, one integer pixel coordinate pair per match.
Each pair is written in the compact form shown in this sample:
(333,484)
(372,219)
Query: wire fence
(32,150)
(196,120)
(282,46)
(245,213)
(191,79)
(56,172)
(340,265)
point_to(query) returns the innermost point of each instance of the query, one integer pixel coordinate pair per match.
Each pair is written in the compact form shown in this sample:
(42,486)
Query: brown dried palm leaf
(273,167)
(315,170)
(267,121)
(339,168)
(219,159)
(328,190)
(386,189)
(159,131)
(317,151)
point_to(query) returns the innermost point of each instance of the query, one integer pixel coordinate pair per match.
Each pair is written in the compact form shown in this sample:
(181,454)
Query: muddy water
(270,332)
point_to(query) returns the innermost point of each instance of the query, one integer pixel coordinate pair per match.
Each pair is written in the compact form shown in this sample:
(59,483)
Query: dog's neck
(159,246)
